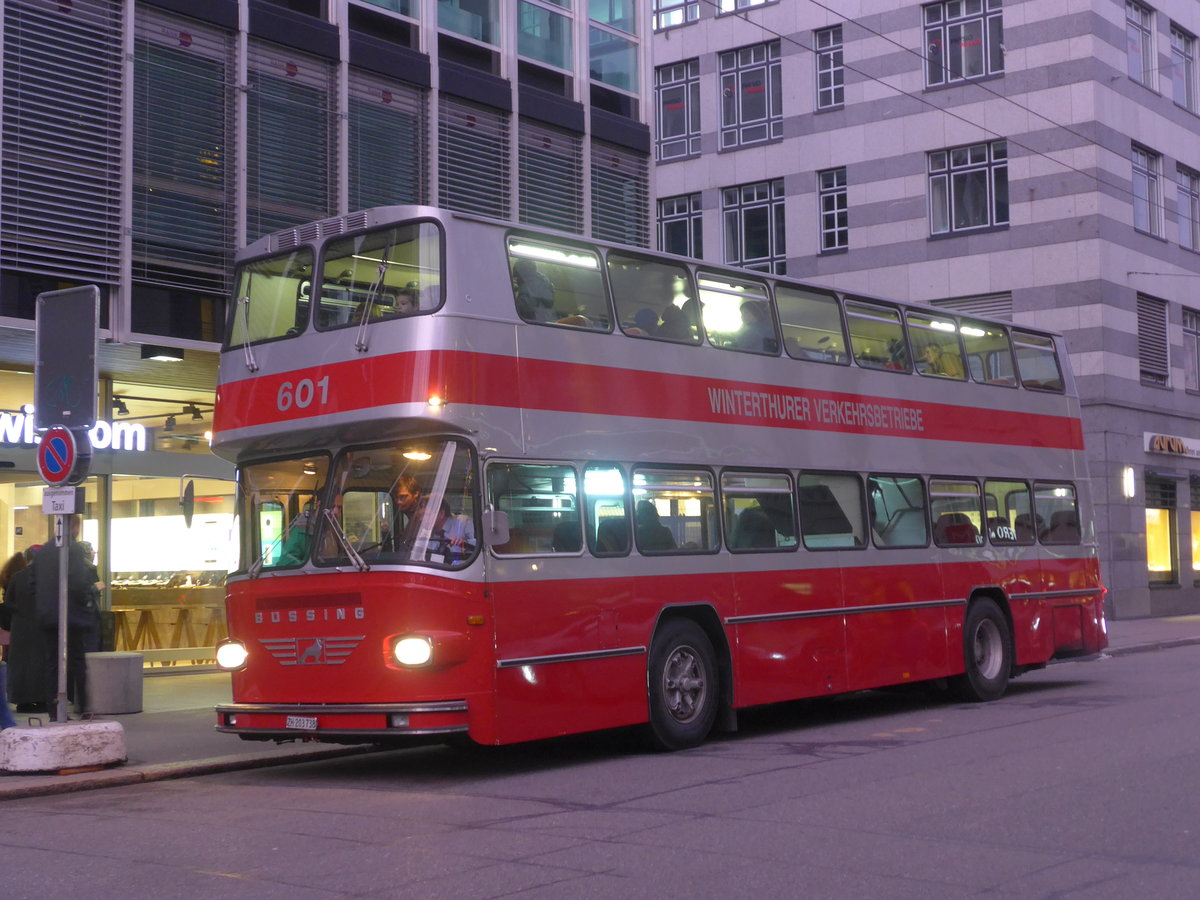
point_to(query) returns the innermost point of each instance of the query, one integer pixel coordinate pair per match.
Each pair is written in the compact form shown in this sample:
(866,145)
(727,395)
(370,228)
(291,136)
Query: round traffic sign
(59,459)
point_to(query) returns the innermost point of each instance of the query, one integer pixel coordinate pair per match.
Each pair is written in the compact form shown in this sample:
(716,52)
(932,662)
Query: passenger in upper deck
(757,333)
(938,362)
(534,292)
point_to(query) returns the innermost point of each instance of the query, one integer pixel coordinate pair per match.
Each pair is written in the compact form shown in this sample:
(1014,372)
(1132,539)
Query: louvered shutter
(989,306)
(60,183)
(290,161)
(474,157)
(1152,340)
(551,177)
(182,153)
(388,142)
(620,195)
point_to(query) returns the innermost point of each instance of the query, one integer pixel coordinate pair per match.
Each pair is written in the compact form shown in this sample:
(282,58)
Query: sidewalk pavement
(174,736)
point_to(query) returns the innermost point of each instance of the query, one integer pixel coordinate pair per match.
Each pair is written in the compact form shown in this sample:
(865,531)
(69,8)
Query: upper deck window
(877,336)
(936,347)
(654,299)
(989,353)
(382,274)
(812,325)
(558,284)
(1037,362)
(737,314)
(271,298)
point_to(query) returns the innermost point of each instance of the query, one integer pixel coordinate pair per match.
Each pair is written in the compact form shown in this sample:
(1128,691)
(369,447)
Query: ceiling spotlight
(119,407)
(162,354)
(195,412)
(169,425)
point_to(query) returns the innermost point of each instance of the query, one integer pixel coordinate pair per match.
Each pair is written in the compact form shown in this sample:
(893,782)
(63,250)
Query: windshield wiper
(244,308)
(344,542)
(360,339)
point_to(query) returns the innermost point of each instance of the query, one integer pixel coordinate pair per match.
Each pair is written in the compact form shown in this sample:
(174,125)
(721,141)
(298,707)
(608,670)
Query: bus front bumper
(343,722)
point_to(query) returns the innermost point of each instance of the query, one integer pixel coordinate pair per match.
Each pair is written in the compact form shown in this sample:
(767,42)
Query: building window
(550,176)
(1183,68)
(1160,531)
(669,13)
(1195,517)
(835,227)
(1139,40)
(680,226)
(620,195)
(730,6)
(477,20)
(968,187)
(1188,208)
(544,35)
(1147,201)
(754,232)
(963,39)
(1153,359)
(473,163)
(751,98)
(677,93)
(1191,353)
(387,129)
(831,77)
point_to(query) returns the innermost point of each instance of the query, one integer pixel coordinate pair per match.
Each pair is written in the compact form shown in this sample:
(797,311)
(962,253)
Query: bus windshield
(402,502)
(279,503)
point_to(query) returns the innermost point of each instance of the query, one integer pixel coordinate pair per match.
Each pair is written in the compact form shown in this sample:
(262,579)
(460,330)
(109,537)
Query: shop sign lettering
(1172,444)
(17,428)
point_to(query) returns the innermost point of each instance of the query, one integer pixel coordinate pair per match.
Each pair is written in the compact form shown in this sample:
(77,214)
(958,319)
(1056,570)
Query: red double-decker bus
(499,482)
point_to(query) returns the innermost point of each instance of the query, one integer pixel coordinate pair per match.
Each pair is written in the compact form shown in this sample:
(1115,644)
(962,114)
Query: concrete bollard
(62,747)
(114,683)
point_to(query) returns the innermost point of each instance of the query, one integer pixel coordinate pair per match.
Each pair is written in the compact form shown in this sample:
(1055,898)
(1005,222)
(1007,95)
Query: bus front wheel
(987,652)
(682,685)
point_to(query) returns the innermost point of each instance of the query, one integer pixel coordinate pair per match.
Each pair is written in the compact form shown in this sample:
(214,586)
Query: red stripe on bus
(482,379)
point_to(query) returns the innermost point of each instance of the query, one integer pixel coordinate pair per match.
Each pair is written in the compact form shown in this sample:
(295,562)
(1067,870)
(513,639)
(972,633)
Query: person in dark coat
(83,620)
(26,650)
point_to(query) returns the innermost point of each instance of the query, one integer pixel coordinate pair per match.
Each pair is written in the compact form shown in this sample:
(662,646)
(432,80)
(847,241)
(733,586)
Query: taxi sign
(60,458)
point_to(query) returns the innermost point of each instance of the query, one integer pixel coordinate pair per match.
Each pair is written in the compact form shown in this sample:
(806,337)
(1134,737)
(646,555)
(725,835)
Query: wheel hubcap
(684,685)
(989,649)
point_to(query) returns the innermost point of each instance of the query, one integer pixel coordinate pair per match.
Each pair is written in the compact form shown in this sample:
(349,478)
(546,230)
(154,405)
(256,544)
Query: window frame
(829,53)
(683,76)
(833,198)
(947,171)
(691,214)
(715,537)
(1191,350)
(942,21)
(727,492)
(1187,207)
(735,203)
(859,531)
(734,69)
(1183,67)
(1147,176)
(1139,42)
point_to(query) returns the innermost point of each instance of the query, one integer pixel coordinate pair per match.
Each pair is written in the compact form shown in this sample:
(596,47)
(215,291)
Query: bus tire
(682,684)
(987,653)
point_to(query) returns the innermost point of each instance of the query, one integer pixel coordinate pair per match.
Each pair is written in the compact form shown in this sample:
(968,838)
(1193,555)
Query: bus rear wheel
(987,653)
(682,684)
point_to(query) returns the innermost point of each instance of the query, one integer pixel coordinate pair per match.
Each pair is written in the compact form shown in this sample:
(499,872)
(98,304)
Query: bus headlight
(231,654)
(412,650)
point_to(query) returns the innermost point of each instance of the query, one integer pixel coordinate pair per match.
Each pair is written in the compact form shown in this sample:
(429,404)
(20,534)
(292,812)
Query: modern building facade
(1036,160)
(143,141)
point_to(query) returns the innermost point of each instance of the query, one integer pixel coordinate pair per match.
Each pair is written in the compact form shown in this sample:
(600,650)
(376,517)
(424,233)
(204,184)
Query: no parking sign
(64,456)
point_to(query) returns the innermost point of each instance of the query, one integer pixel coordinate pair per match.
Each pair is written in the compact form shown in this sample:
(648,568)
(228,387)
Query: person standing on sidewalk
(12,567)
(83,620)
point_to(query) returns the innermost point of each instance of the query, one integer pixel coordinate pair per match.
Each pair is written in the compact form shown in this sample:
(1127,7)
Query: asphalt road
(1083,781)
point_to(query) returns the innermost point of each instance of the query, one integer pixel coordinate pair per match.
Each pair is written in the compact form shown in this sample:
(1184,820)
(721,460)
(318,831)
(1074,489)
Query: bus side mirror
(187,500)
(495,527)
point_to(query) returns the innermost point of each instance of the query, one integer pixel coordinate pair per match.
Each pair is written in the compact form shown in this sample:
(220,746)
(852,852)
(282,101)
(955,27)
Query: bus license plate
(304,723)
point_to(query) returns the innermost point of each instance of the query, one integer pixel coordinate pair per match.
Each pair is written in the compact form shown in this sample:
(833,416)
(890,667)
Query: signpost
(64,391)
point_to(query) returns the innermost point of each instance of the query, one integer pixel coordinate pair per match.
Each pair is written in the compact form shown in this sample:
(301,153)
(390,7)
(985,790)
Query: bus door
(1015,561)
(896,623)
(555,607)
(790,628)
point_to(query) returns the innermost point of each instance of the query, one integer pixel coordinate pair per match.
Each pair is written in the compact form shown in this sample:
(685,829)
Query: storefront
(164,581)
